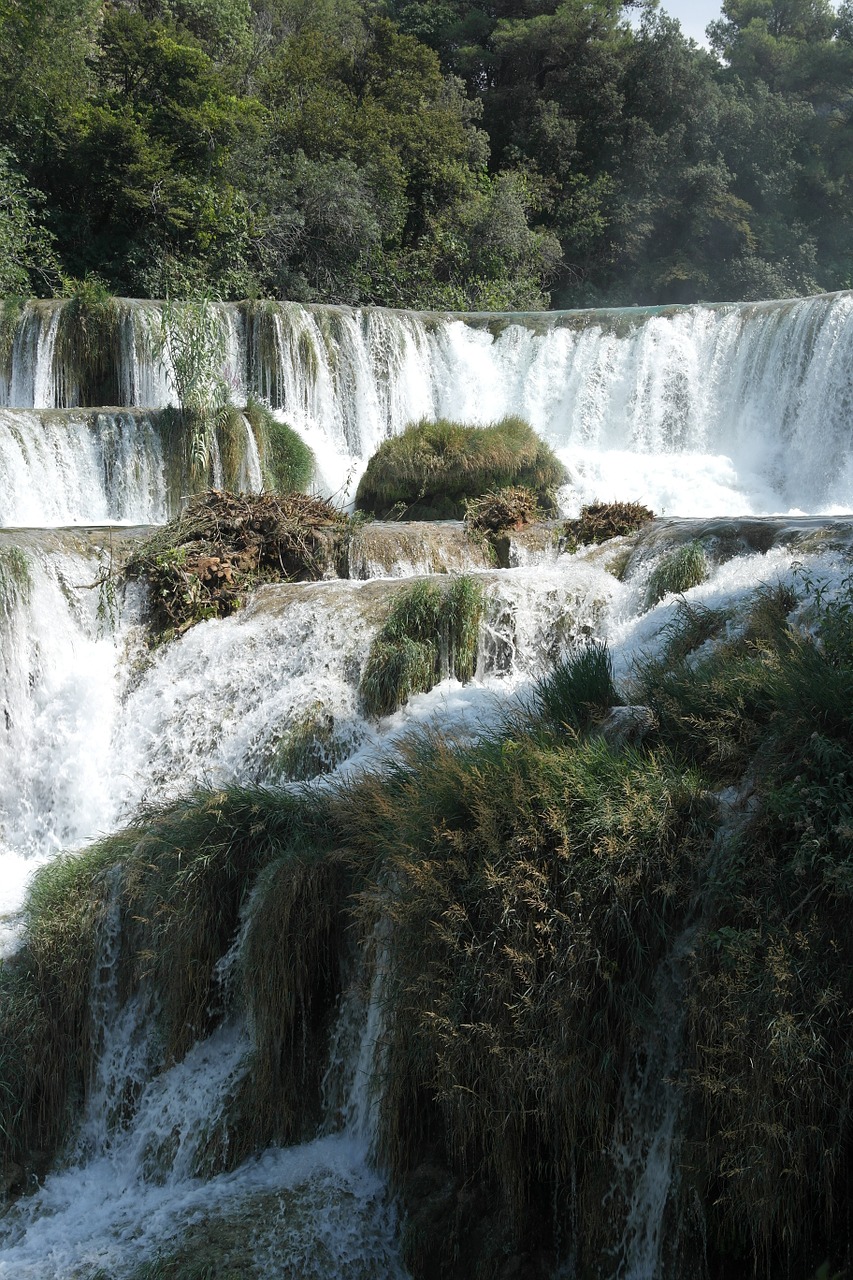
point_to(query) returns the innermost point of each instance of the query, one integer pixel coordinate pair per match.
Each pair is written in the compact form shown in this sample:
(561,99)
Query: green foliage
(579,690)
(87,348)
(287,461)
(432,631)
(677,572)
(28,262)
(431,469)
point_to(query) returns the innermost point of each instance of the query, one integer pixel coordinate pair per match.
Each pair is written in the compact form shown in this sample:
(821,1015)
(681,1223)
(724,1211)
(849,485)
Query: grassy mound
(602,520)
(182,880)
(204,563)
(430,632)
(286,460)
(429,471)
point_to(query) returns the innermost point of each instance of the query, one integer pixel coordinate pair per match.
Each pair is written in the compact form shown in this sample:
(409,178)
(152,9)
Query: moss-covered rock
(432,469)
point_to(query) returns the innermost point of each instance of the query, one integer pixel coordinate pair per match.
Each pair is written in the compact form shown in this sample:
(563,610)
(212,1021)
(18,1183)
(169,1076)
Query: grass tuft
(432,631)
(677,572)
(579,690)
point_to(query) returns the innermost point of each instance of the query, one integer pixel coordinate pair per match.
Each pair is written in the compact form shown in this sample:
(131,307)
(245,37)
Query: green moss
(288,463)
(431,469)
(430,632)
(15,580)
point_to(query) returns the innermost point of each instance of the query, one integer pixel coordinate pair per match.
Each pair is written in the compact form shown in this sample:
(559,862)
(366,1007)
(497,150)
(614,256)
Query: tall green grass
(431,631)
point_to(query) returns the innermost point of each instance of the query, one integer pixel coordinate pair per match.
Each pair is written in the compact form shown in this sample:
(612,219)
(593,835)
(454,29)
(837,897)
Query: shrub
(677,572)
(431,631)
(512,508)
(602,520)
(431,469)
(204,563)
(286,460)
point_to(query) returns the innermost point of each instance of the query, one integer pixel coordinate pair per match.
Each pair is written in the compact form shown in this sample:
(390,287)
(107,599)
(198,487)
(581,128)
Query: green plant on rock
(193,344)
(431,469)
(430,632)
(579,690)
(286,460)
(677,572)
(87,350)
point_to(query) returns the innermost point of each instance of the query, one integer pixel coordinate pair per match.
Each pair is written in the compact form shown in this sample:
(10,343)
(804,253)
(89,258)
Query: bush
(204,563)
(431,469)
(431,631)
(286,460)
(505,509)
(602,520)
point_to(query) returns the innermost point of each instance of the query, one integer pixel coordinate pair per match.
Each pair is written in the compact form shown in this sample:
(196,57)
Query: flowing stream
(714,416)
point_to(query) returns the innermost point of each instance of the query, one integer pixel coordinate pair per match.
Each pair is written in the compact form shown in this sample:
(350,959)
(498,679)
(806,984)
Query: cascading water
(721,411)
(705,410)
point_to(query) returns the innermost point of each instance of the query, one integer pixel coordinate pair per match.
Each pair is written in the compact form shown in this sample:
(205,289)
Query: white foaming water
(703,410)
(80,467)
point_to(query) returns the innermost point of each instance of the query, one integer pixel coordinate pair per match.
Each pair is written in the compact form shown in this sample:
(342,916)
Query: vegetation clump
(532,887)
(678,572)
(204,563)
(87,349)
(599,521)
(433,469)
(497,512)
(286,460)
(431,631)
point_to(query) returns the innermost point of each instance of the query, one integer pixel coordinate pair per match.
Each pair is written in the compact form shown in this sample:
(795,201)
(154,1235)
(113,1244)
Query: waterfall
(705,410)
(715,416)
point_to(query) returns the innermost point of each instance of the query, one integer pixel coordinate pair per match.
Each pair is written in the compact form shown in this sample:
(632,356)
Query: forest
(458,155)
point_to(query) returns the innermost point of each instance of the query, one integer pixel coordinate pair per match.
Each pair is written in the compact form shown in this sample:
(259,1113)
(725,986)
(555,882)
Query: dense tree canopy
(453,154)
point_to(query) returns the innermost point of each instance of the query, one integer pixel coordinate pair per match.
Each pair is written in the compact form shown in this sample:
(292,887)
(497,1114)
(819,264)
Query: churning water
(698,412)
